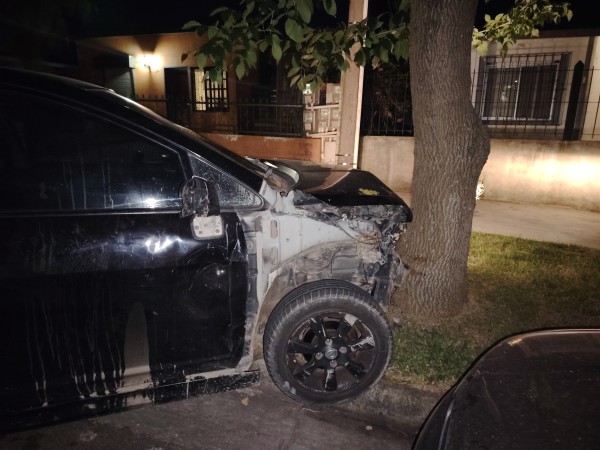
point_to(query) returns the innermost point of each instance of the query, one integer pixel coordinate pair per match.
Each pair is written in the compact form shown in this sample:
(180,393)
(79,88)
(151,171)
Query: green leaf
(293,71)
(401,49)
(276,51)
(360,58)
(304,8)
(191,25)
(240,70)
(482,48)
(330,7)
(218,10)
(294,30)
(263,45)
(215,74)
(339,36)
(294,80)
(383,54)
(212,32)
(249,9)
(251,58)
(201,60)
(229,22)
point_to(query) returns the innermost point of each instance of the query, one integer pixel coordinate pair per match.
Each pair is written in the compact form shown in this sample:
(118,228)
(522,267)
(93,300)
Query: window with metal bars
(209,94)
(525,88)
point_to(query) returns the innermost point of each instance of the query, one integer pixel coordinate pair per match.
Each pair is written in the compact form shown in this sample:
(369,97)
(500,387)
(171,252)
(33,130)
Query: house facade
(150,69)
(541,106)
(545,87)
(237,113)
(540,103)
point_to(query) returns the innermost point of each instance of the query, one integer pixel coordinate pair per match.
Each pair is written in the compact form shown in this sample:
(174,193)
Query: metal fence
(542,102)
(545,103)
(387,104)
(270,118)
(259,117)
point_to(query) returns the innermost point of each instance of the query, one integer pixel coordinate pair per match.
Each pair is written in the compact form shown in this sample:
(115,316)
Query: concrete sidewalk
(536,222)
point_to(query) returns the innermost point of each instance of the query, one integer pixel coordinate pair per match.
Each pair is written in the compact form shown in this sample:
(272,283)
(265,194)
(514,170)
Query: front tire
(326,342)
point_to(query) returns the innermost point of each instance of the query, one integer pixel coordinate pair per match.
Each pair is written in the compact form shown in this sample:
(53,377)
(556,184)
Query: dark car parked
(142,263)
(536,390)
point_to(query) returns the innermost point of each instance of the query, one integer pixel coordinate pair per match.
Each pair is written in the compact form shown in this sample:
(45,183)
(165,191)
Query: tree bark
(451,147)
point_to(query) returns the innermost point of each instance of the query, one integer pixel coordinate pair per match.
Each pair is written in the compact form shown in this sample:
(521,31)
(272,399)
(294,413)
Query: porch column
(351,101)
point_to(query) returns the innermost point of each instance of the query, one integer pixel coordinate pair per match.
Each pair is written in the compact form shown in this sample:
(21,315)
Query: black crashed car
(535,390)
(142,263)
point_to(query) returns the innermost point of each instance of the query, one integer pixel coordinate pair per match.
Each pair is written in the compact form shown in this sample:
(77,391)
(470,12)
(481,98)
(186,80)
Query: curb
(395,403)
(391,403)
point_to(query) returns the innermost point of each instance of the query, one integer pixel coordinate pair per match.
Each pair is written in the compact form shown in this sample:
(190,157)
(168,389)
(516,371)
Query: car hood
(338,186)
(532,390)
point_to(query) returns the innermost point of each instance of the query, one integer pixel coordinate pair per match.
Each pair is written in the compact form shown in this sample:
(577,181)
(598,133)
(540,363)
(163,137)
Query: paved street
(251,418)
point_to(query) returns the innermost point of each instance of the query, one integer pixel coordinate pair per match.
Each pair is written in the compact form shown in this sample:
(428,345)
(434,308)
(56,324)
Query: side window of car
(58,158)
(232,194)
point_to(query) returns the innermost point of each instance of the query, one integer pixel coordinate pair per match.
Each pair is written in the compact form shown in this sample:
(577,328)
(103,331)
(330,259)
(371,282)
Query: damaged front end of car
(324,256)
(332,224)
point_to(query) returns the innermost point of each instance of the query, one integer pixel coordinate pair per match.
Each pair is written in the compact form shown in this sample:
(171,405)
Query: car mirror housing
(199,198)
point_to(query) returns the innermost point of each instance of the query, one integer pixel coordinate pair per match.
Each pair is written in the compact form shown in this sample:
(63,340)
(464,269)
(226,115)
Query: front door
(178,91)
(103,288)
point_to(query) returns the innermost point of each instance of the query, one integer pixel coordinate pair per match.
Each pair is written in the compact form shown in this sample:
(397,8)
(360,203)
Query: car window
(232,194)
(57,158)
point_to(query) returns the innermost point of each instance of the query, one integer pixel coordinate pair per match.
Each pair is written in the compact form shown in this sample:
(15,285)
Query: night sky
(113,17)
(116,17)
(43,29)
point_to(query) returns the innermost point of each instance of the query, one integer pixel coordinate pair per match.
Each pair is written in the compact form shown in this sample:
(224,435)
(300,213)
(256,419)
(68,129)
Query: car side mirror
(200,200)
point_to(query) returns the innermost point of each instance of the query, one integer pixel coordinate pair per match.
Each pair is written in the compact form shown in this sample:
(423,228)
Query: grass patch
(514,285)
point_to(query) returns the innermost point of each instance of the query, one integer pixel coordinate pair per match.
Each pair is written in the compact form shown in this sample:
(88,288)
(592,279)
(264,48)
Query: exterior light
(151,62)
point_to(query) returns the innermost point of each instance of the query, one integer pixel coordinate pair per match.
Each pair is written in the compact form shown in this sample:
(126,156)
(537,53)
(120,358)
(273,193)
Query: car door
(103,288)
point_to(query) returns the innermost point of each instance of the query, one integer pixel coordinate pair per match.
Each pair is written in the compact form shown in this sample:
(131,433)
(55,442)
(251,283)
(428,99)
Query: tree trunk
(451,147)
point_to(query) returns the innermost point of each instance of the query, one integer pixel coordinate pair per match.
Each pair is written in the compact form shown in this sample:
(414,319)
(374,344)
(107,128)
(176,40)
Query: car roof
(21,77)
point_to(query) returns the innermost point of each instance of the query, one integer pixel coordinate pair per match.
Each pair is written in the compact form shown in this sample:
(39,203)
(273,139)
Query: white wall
(591,129)
(166,49)
(525,171)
